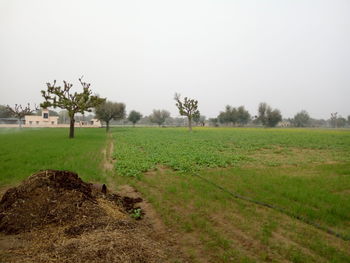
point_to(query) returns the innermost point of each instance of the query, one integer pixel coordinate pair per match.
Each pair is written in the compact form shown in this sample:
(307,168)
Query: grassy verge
(26,151)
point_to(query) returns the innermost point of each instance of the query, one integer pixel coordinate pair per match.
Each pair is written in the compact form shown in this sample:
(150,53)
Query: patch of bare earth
(54,216)
(153,220)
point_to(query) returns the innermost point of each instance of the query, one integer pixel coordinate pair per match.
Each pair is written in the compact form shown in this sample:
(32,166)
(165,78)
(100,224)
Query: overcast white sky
(292,54)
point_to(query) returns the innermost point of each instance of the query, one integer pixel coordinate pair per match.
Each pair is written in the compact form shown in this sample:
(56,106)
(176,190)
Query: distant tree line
(230,116)
(74,105)
(233,116)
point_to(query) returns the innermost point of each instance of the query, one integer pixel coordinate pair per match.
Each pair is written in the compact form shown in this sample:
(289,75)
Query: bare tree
(19,112)
(188,108)
(72,102)
(334,119)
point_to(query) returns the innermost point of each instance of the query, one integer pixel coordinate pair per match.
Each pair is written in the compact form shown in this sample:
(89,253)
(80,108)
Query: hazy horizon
(294,55)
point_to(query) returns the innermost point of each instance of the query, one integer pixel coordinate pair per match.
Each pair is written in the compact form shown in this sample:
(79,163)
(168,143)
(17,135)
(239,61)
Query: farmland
(23,152)
(304,172)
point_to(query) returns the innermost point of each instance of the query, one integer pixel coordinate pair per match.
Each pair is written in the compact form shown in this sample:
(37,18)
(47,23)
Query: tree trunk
(190,124)
(71,128)
(107,126)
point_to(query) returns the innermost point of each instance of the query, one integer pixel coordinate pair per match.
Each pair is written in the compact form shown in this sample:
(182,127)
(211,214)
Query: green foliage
(139,150)
(341,122)
(108,111)
(29,150)
(136,213)
(304,171)
(134,116)
(5,112)
(200,120)
(243,115)
(228,116)
(267,116)
(233,115)
(159,116)
(187,107)
(214,122)
(273,117)
(337,121)
(262,113)
(301,119)
(56,96)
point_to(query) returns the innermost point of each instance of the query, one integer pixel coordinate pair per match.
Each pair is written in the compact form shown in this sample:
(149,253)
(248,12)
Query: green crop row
(140,150)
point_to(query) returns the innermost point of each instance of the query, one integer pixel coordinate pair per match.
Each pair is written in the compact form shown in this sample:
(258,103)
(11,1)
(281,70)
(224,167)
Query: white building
(45,120)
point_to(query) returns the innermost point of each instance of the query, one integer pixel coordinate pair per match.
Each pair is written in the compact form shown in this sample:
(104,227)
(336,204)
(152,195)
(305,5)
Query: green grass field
(305,172)
(23,152)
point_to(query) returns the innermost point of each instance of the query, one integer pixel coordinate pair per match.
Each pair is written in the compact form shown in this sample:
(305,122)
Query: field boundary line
(277,208)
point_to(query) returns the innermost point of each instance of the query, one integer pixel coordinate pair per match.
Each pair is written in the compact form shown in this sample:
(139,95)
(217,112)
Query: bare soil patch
(54,216)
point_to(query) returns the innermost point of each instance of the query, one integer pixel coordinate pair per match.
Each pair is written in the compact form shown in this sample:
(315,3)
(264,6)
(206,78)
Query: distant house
(95,123)
(284,124)
(45,120)
(91,123)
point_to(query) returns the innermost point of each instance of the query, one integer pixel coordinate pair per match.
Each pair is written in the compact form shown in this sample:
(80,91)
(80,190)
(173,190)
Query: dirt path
(108,162)
(150,216)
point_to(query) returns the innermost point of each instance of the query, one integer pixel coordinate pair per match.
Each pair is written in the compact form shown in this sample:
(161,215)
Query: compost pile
(54,216)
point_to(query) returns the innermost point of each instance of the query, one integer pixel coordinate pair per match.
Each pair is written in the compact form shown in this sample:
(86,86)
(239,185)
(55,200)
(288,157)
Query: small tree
(214,122)
(243,115)
(72,102)
(229,116)
(200,120)
(19,112)
(334,119)
(341,122)
(267,116)
(5,112)
(273,117)
(108,111)
(159,116)
(262,113)
(188,108)
(301,119)
(134,116)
